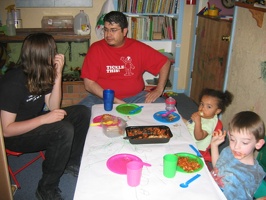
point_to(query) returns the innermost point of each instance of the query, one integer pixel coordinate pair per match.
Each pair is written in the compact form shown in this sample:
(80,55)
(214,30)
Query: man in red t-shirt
(118,63)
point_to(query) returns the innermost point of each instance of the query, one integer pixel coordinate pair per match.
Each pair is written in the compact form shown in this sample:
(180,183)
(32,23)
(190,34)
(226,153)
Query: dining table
(96,181)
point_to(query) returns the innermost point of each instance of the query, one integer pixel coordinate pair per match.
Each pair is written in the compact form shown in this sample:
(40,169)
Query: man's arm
(163,77)
(94,88)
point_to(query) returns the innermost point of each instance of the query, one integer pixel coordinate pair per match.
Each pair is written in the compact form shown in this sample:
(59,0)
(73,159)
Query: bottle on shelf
(10,24)
(82,24)
(17,18)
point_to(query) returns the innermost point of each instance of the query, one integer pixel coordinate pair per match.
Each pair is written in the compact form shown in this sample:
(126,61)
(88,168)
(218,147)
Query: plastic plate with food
(188,163)
(171,118)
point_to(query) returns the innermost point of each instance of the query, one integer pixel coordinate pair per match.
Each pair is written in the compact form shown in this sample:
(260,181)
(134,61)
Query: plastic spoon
(185,185)
(135,110)
(196,150)
(146,164)
(167,113)
(100,123)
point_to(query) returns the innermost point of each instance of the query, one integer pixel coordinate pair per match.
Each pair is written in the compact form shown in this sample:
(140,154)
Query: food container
(213,12)
(113,126)
(148,134)
(57,22)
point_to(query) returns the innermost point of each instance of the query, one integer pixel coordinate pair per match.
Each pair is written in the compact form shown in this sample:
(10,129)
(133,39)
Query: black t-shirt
(15,97)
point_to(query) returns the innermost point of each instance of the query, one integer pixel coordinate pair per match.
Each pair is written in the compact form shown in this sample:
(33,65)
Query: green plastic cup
(169,165)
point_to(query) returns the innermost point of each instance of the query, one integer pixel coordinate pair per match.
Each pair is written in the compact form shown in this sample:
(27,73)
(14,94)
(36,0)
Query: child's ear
(259,144)
(218,111)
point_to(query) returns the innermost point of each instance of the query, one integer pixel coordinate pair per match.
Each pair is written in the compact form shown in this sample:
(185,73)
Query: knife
(196,150)
(135,110)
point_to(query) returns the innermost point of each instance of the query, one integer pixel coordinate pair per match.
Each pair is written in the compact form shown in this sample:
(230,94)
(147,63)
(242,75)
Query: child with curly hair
(203,122)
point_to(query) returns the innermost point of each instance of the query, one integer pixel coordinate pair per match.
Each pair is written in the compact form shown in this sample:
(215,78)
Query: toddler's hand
(196,117)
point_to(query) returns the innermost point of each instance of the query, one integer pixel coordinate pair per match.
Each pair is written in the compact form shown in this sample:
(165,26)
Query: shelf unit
(257,12)
(168,40)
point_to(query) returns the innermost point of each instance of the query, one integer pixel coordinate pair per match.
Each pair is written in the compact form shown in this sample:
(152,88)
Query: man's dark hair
(117,18)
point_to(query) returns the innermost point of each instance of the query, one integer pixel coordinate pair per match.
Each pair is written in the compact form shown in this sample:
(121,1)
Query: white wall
(244,77)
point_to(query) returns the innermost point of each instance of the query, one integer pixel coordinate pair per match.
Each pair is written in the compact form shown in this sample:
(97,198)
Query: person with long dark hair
(25,90)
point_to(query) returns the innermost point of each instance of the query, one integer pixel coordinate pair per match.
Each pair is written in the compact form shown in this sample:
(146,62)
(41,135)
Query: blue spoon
(196,150)
(185,185)
(135,110)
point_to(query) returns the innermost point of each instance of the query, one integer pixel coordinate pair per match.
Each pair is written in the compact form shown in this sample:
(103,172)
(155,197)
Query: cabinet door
(210,57)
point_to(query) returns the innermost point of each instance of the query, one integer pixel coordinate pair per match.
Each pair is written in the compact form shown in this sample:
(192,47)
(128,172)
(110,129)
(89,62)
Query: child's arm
(199,133)
(217,138)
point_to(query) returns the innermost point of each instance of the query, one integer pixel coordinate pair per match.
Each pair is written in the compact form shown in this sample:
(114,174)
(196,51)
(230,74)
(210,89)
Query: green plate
(192,157)
(126,108)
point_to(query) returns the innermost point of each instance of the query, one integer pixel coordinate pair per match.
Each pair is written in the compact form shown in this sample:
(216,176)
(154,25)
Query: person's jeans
(63,142)
(91,99)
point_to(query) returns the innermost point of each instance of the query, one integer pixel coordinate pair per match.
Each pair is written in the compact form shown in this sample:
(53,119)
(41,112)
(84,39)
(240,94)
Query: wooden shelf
(218,18)
(59,34)
(257,13)
(249,6)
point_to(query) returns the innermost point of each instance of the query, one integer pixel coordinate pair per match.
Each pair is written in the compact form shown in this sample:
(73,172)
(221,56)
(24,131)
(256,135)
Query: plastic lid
(170,100)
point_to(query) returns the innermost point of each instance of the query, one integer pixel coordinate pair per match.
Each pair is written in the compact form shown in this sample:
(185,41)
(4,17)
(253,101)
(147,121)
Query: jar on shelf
(10,24)
(170,103)
(82,24)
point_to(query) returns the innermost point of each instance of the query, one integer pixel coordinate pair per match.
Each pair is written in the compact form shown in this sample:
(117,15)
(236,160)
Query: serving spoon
(185,185)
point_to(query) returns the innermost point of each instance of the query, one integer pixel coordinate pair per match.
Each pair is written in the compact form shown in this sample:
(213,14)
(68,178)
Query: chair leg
(13,177)
(14,173)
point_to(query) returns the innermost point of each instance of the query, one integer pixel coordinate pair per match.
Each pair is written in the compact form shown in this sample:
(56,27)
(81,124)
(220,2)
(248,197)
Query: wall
(244,75)
(31,18)
(224,11)
(186,47)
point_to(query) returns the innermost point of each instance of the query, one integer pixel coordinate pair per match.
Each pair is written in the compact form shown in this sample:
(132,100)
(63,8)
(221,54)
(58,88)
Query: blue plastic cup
(108,99)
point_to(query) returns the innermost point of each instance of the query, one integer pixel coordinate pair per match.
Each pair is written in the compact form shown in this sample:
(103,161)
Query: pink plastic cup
(134,171)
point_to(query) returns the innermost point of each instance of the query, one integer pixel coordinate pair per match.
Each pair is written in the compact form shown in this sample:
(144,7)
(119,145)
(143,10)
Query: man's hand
(153,95)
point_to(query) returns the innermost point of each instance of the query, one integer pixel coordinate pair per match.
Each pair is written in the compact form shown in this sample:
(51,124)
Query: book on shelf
(148,6)
(152,27)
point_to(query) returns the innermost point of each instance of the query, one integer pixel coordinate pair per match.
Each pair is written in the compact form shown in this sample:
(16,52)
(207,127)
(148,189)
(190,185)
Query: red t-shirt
(121,69)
